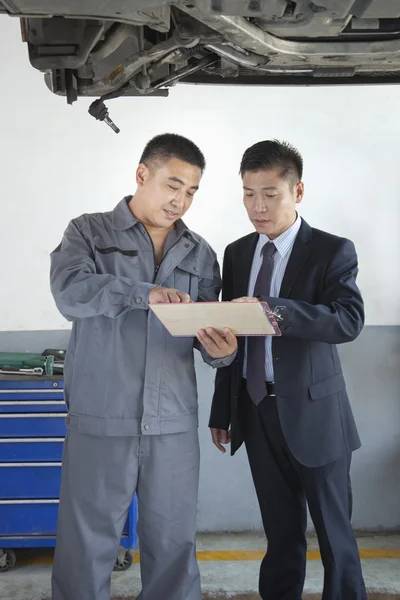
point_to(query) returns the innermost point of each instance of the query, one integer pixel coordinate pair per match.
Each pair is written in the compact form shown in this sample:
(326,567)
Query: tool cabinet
(32,431)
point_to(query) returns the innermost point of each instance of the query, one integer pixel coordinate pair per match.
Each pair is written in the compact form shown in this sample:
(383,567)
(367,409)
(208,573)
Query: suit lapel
(243,264)
(300,253)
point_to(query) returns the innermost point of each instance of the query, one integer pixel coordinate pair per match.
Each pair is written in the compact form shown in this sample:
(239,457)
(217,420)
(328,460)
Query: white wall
(58,162)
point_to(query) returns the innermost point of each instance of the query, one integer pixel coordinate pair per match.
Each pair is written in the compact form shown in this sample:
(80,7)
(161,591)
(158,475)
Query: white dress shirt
(284,246)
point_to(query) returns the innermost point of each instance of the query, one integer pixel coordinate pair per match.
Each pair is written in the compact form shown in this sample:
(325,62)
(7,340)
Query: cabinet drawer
(28,518)
(20,481)
(39,518)
(33,425)
(44,395)
(31,390)
(32,406)
(31,450)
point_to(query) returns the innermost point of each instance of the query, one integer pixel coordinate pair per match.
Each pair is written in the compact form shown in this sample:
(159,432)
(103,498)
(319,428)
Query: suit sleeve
(339,318)
(80,292)
(220,417)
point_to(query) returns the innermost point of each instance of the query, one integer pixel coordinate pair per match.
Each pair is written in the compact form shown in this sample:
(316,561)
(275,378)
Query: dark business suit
(299,442)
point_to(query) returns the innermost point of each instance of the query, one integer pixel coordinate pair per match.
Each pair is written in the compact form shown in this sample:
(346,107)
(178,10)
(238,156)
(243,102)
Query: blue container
(32,431)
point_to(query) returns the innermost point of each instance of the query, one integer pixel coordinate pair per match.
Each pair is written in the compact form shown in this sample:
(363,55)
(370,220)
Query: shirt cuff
(139,295)
(217,363)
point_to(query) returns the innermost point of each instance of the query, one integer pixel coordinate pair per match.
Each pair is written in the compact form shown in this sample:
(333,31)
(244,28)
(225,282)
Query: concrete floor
(229,569)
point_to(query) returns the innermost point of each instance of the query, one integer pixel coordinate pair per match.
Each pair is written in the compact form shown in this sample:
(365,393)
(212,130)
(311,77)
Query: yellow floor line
(220,555)
(245,555)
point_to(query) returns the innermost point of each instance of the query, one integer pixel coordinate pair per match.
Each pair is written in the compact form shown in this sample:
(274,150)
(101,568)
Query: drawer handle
(35,391)
(29,440)
(33,415)
(32,464)
(43,403)
(29,501)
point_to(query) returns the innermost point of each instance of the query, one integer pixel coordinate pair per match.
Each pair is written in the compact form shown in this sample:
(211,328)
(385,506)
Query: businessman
(129,385)
(285,397)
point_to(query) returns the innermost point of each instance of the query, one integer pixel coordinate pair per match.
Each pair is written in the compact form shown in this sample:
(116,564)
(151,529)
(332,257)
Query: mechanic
(130,386)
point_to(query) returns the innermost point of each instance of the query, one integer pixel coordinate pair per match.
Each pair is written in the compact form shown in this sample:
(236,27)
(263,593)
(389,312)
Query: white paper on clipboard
(243,318)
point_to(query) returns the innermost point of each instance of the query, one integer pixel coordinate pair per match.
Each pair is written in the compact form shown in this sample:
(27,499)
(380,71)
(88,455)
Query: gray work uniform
(131,393)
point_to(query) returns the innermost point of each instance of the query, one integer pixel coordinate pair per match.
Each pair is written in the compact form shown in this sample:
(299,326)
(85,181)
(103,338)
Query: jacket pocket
(112,249)
(187,276)
(118,261)
(327,387)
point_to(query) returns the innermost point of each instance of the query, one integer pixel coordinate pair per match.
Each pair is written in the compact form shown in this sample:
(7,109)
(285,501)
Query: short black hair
(273,154)
(163,147)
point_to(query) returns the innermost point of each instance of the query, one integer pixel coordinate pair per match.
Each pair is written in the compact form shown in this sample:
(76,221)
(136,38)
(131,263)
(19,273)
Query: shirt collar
(123,218)
(284,242)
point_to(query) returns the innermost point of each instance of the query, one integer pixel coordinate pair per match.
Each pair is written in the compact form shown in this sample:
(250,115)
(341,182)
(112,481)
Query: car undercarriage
(111,48)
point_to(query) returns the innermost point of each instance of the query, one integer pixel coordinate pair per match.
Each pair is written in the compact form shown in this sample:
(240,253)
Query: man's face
(271,200)
(168,191)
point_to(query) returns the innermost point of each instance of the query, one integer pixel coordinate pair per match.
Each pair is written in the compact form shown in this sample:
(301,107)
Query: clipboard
(243,318)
